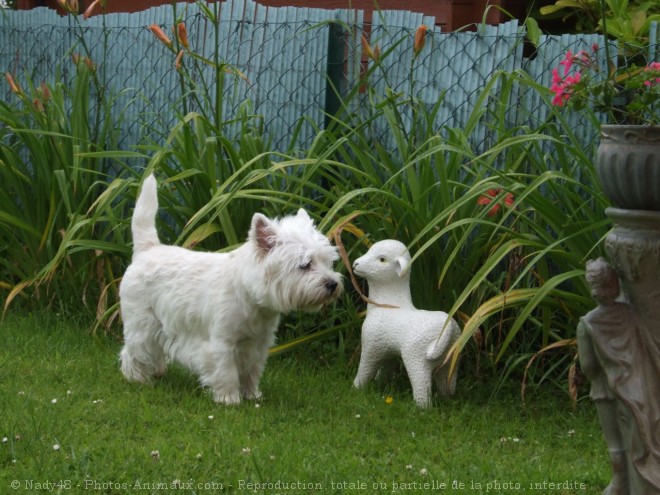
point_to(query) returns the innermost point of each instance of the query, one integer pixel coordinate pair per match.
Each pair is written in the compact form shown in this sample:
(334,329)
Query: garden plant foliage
(499,238)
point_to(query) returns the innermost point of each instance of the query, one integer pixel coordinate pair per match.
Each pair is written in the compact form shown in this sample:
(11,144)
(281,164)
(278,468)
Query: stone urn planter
(628,166)
(619,340)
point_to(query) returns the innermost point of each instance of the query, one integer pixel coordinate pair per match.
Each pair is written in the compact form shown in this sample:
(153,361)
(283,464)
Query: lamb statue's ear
(402,265)
(262,233)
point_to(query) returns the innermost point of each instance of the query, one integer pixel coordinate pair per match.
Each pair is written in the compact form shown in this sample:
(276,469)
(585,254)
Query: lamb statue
(394,327)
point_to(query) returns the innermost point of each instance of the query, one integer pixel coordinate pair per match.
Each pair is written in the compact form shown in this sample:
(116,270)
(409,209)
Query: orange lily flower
(90,65)
(177,60)
(38,106)
(420,39)
(158,33)
(45,92)
(182,34)
(376,53)
(490,196)
(12,84)
(70,6)
(90,9)
(367,47)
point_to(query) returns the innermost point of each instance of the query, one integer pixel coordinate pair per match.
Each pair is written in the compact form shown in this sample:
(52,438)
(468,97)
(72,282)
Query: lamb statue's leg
(369,362)
(421,379)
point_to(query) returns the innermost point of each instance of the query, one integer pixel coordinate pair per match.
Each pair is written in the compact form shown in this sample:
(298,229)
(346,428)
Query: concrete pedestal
(619,347)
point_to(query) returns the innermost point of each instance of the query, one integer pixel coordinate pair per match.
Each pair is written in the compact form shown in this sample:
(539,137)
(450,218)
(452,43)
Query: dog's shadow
(177,382)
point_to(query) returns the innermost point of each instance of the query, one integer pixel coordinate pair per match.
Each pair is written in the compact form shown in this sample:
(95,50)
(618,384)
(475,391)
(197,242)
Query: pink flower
(653,72)
(556,78)
(585,58)
(573,80)
(563,88)
(567,62)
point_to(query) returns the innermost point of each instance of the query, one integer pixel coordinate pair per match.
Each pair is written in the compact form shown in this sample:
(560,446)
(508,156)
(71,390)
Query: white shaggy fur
(217,313)
(421,338)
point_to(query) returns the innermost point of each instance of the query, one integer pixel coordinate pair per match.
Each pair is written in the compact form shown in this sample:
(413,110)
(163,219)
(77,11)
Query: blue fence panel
(283,53)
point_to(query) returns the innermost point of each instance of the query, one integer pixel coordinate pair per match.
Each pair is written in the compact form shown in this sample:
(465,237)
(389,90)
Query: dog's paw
(160,372)
(227,399)
(253,395)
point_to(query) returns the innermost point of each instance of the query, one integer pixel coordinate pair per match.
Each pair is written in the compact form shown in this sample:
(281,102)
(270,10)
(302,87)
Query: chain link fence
(295,62)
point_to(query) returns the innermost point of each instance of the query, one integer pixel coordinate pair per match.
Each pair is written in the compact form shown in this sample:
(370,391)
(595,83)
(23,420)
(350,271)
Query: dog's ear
(262,233)
(303,215)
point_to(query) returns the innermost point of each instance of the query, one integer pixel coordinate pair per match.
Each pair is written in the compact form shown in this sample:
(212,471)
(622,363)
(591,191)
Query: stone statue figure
(623,365)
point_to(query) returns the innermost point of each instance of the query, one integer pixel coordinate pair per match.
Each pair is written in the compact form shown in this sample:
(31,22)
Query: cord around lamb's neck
(389,294)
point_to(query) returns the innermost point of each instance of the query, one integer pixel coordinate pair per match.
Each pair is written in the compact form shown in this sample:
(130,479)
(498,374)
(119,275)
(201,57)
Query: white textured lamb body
(421,338)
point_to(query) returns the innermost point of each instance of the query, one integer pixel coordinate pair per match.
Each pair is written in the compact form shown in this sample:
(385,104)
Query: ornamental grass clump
(627,95)
(51,176)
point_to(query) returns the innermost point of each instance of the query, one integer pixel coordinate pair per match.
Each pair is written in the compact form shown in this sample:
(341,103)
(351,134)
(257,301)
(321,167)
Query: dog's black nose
(331,285)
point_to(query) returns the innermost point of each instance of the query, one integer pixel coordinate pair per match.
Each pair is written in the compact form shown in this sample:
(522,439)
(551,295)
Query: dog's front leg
(220,373)
(253,361)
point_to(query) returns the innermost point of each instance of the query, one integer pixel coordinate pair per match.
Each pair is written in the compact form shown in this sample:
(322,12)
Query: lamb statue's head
(386,261)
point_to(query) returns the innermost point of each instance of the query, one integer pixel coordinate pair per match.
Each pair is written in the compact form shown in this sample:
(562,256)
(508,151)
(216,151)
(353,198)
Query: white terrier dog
(217,313)
(394,327)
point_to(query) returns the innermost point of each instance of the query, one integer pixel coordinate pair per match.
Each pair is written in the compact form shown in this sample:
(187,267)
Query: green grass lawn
(69,423)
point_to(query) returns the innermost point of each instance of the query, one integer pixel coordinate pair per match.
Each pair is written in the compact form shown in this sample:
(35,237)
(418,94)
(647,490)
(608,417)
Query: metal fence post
(336,75)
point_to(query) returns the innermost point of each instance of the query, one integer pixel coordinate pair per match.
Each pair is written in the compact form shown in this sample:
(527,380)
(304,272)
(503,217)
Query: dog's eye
(306,266)
(382,259)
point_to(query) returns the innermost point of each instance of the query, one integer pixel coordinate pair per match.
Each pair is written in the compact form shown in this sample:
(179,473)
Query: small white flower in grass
(408,467)
(257,405)
(571,433)
(5,439)
(97,401)
(54,401)
(412,433)
(272,457)
(246,450)
(69,393)
(211,417)
(56,447)
(357,416)
(155,455)
(198,456)
(423,471)
(516,439)
(21,393)
(503,440)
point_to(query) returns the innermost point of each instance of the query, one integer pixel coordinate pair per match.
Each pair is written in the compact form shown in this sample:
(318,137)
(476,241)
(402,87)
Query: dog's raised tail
(143,225)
